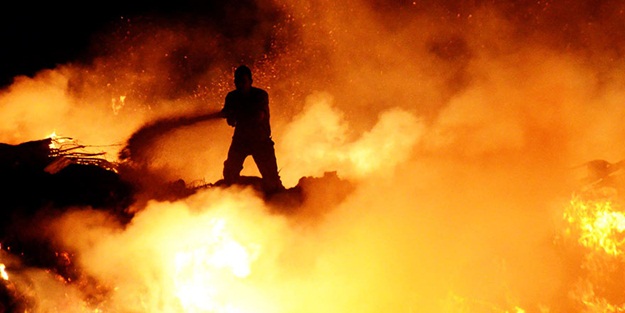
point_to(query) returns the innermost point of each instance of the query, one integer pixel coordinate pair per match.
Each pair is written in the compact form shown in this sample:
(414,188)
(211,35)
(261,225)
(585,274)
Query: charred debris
(45,178)
(56,173)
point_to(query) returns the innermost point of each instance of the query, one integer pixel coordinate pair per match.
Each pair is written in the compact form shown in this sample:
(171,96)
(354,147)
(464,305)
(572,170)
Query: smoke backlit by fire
(459,124)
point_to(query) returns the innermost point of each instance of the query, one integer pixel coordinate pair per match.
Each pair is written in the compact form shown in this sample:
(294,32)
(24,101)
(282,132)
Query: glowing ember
(118,105)
(3,272)
(57,142)
(66,150)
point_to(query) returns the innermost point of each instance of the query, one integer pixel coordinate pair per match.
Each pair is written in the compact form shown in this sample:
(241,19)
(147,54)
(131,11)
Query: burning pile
(72,181)
(595,239)
(427,148)
(58,172)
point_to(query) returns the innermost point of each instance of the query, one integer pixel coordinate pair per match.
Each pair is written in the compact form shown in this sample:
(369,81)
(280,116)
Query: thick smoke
(459,123)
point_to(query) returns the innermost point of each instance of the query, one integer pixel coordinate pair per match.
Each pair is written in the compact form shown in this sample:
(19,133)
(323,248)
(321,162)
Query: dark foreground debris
(38,176)
(45,178)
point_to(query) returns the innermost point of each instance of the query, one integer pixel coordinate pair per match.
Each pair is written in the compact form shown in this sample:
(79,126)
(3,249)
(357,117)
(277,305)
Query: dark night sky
(37,36)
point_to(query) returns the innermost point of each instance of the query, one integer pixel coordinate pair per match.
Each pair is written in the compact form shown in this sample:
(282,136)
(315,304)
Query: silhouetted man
(247,109)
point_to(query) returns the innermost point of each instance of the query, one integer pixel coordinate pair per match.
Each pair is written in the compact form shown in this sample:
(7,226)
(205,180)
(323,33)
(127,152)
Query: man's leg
(234,164)
(265,158)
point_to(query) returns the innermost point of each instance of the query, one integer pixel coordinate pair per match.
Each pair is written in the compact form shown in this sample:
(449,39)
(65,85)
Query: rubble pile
(45,178)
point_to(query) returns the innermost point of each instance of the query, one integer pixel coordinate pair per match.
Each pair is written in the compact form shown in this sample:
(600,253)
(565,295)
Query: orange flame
(3,272)
(201,272)
(600,224)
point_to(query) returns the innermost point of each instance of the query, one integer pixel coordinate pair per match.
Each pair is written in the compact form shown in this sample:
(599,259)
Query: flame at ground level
(3,273)
(220,250)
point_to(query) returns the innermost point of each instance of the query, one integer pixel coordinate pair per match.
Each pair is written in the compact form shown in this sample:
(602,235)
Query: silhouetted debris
(46,178)
(38,175)
(313,197)
(10,299)
(27,156)
(248,181)
(599,171)
(600,178)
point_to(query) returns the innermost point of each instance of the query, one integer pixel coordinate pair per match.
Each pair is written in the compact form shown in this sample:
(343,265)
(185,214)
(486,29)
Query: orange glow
(600,223)
(459,125)
(204,273)
(596,221)
(118,104)
(3,274)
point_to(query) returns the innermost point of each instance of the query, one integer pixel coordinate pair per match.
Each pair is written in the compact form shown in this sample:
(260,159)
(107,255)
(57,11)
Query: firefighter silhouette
(247,110)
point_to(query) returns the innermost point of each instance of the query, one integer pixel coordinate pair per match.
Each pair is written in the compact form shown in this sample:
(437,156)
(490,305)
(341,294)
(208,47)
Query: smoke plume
(458,122)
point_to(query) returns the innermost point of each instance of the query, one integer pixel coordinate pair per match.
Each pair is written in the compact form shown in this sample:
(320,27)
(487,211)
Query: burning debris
(56,175)
(49,176)
(593,240)
(57,172)
(43,178)
(601,171)
(65,151)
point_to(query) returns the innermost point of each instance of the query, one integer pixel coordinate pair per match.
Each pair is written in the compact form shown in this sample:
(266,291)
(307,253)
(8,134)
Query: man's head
(243,78)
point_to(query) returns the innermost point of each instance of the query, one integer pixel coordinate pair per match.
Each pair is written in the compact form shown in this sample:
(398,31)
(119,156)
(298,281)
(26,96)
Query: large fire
(596,221)
(431,151)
